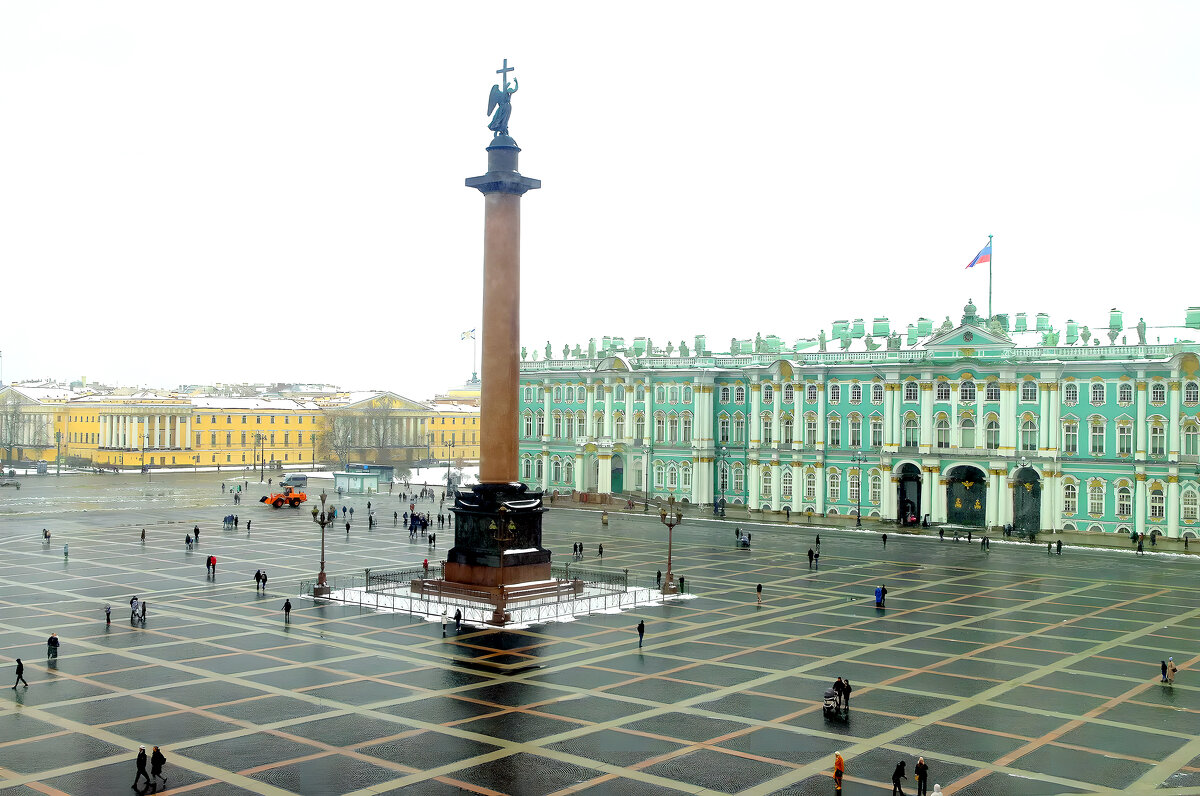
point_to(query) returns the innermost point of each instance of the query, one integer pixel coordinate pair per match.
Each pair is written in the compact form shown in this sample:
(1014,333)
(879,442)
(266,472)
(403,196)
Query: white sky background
(186,188)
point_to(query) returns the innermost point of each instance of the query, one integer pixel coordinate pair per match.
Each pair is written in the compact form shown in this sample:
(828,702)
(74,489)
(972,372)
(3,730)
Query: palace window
(660,473)
(556,470)
(835,433)
(785,431)
(1125,440)
(1070,394)
(1191,393)
(852,488)
(569,472)
(991,434)
(966,392)
(528,397)
(570,425)
(993,391)
(1095,499)
(660,395)
(541,424)
(766,428)
(766,482)
(739,479)
(967,430)
(855,393)
(876,432)
(855,432)
(244,419)
(1029,436)
(810,430)
(1158,393)
(685,476)
(213,439)
(558,426)
(835,488)
(835,394)
(1189,505)
(673,395)
(1191,440)
(739,395)
(1098,394)
(910,391)
(660,428)
(229,440)
(876,488)
(558,394)
(619,393)
(1157,504)
(570,395)
(1070,437)
(619,425)
(768,394)
(810,391)
(1124,501)
(876,393)
(687,395)
(526,468)
(1125,393)
(1097,436)
(912,433)
(724,395)
(739,429)
(672,429)
(1158,440)
(942,433)
(785,483)
(723,478)
(723,430)
(943,391)
(810,486)
(1028,391)
(672,477)
(685,429)
(789,394)
(1070,499)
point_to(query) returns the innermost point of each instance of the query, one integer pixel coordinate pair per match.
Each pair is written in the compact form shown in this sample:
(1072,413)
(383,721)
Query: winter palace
(983,423)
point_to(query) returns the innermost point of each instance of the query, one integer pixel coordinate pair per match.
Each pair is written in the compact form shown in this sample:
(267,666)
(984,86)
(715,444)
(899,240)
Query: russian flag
(983,258)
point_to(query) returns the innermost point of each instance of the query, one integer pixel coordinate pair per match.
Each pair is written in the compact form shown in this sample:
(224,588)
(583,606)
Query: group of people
(260,581)
(920,774)
(157,760)
(230,521)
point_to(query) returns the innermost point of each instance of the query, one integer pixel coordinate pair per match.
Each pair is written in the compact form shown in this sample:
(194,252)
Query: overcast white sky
(188,190)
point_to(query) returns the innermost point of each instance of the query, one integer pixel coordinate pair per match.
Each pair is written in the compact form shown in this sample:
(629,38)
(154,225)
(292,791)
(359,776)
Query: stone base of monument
(502,596)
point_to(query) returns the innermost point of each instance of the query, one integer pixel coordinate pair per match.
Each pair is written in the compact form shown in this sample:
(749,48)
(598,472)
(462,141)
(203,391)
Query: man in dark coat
(641,629)
(20,674)
(141,768)
(157,761)
(898,775)
(921,772)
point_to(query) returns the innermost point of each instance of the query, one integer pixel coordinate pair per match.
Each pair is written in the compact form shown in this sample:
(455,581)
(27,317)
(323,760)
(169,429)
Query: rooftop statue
(1141,330)
(821,340)
(1050,338)
(592,348)
(549,351)
(946,326)
(524,353)
(566,350)
(1086,334)
(500,102)
(683,348)
(578,352)
(893,341)
(871,344)
(846,339)
(996,326)
(670,348)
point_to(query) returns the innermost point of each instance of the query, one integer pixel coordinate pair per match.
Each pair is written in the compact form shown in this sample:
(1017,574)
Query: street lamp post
(429,447)
(449,456)
(722,459)
(260,440)
(858,458)
(669,517)
(57,453)
(322,518)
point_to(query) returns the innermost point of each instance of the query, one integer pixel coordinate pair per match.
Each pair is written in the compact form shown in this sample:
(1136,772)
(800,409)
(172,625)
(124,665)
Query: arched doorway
(908,493)
(966,497)
(1027,500)
(618,474)
(593,471)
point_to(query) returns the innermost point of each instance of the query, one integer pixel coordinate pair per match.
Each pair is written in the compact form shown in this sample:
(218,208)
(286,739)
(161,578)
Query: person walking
(287,611)
(810,558)
(157,761)
(143,535)
(107,614)
(839,771)
(1171,670)
(52,647)
(1163,677)
(1140,550)
(846,689)
(248,526)
(817,560)
(141,768)
(921,775)
(885,540)
(264,581)
(20,675)
(898,775)
(257,580)
(213,560)
(759,594)
(658,578)
(1058,547)
(457,620)
(445,619)
(601,551)
(641,629)
(839,688)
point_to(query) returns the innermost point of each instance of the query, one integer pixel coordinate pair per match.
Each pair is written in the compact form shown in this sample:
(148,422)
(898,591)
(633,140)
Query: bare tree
(19,429)
(337,441)
(378,414)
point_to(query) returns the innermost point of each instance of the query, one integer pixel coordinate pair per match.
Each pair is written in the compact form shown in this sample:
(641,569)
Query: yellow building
(454,432)
(374,428)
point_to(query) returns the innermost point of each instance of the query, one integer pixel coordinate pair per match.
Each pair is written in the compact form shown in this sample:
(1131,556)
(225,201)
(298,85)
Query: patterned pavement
(1011,671)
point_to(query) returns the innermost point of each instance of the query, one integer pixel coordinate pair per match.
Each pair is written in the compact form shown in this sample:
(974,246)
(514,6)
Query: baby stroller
(831,702)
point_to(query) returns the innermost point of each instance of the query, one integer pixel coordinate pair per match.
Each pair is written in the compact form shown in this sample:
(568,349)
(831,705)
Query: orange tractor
(290,496)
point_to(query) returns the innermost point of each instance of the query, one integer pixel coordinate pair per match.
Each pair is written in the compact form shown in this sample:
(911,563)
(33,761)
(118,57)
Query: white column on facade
(546,427)
(776,485)
(1139,503)
(797,486)
(145,430)
(822,428)
(980,394)
(545,471)
(1173,503)
(1054,424)
(776,411)
(608,407)
(937,507)
(1049,487)
(887,492)
(889,420)
(157,432)
(929,477)
(955,433)
(579,474)
(604,479)
(589,421)
(755,422)
(1044,426)
(649,412)
(114,430)
(1007,486)
(822,487)
(1008,417)
(1139,429)
(187,440)
(992,508)
(926,415)
(754,485)
(1173,422)
(103,431)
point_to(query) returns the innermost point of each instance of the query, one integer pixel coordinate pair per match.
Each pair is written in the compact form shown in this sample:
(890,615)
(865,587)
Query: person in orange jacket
(839,770)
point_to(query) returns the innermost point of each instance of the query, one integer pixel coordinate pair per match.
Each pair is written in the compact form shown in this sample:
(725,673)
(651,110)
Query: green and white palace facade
(981,423)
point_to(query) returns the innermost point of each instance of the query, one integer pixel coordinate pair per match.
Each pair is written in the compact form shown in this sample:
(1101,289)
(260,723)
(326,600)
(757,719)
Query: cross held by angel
(500,102)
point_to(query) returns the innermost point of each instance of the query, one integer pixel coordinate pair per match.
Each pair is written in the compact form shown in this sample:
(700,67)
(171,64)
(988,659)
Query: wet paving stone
(332,773)
(528,774)
(708,768)
(616,748)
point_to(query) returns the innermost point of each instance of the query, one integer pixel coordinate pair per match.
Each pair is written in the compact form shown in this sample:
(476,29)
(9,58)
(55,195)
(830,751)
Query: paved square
(1011,671)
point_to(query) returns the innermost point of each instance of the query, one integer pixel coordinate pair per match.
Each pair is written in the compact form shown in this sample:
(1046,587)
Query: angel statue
(500,102)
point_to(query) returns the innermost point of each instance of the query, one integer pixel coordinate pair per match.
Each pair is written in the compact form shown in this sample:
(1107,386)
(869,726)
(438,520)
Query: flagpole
(993,254)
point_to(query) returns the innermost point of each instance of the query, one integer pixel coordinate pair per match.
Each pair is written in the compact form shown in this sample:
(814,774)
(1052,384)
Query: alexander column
(498,526)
